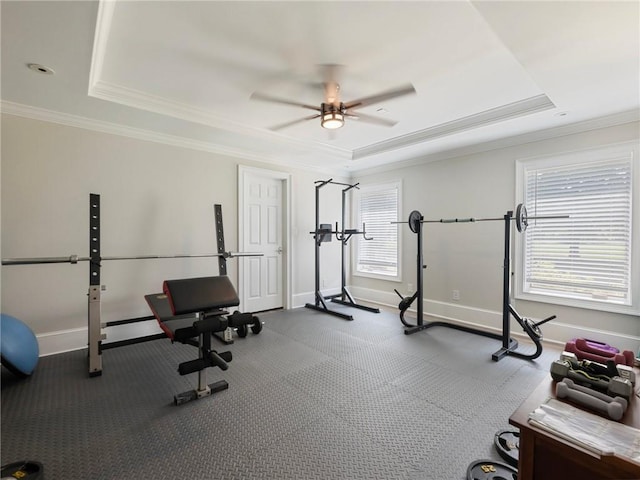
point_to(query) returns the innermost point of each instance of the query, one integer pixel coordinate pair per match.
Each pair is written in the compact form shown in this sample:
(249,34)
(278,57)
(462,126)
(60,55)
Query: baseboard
(77,338)
(62,341)
(301,299)
(554,332)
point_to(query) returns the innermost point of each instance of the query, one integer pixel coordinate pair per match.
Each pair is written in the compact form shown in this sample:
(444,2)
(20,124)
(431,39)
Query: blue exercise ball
(18,346)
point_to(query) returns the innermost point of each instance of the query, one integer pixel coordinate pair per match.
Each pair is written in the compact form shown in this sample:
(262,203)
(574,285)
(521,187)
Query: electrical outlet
(456,295)
(410,288)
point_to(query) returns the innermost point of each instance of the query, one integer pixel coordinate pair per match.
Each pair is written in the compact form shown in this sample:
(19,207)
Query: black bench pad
(191,295)
(176,327)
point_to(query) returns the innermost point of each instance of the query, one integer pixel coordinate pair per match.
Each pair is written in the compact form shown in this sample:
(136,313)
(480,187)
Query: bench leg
(204,390)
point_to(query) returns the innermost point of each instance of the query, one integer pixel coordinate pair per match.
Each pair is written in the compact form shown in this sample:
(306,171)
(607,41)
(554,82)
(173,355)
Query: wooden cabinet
(545,456)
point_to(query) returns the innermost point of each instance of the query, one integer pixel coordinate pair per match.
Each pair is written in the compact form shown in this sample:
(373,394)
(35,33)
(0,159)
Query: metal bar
(468,220)
(132,341)
(73,259)
(38,260)
(94,320)
(222,261)
(115,323)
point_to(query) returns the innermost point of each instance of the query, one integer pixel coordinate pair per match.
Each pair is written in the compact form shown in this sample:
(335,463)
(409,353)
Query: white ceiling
(183,72)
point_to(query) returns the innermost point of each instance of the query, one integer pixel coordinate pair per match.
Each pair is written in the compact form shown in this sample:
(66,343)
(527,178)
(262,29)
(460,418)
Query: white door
(262,232)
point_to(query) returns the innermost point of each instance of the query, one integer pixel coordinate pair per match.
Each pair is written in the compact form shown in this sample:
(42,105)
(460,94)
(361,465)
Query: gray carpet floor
(311,397)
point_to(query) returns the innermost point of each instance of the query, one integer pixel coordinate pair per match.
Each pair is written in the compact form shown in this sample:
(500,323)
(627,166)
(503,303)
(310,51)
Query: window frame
(363,189)
(583,157)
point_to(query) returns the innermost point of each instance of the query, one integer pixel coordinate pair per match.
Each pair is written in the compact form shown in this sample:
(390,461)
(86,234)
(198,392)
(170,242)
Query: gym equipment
(613,386)
(95,325)
(193,307)
(598,347)
(18,346)
(490,470)
(594,393)
(509,345)
(24,470)
(323,233)
(507,443)
(608,368)
(589,350)
(241,322)
(612,408)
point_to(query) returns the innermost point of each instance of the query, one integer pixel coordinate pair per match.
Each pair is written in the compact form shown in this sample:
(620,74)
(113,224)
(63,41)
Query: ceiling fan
(332,111)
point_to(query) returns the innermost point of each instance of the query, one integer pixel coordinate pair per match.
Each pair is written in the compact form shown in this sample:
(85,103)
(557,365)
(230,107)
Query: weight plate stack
(507,444)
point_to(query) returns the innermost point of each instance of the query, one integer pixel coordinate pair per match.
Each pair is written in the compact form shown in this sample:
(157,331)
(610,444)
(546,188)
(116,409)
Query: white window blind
(588,256)
(377,207)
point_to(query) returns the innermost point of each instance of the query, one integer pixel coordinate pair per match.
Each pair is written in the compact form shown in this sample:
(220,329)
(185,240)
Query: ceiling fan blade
(380,97)
(293,122)
(371,119)
(269,98)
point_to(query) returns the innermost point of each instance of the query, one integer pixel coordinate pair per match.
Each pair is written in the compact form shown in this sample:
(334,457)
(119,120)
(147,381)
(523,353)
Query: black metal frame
(343,235)
(95,325)
(509,345)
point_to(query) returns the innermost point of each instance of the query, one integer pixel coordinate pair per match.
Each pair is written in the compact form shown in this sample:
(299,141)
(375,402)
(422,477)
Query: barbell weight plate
(490,470)
(242,330)
(507,443)
(257,326)
(415,218)
(532,330)
(522,221)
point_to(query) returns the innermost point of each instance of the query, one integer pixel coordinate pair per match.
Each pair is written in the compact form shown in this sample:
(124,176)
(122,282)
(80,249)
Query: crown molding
(11,108)
(509,111)
(629,116)
(152,103)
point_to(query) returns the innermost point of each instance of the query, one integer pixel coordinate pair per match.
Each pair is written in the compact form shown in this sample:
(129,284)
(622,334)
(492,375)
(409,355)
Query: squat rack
(323,233)
(509,345)
(95,325)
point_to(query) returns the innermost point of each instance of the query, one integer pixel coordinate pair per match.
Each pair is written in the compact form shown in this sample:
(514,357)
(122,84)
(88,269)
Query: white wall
(158,199)
(155,199)
(468,257)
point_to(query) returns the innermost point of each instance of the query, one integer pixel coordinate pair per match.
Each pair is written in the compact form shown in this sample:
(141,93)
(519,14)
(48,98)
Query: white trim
(583,156)
(62,341)
(622,118)
(100,38)
(10,108)
(152,103)
(555,332)
(509,111)
(287,213)
(356,209)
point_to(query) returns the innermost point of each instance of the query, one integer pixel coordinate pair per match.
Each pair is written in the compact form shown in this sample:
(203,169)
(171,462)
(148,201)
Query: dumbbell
(613,409)
(594,393)
(239,321)
(609,368)
(616,386)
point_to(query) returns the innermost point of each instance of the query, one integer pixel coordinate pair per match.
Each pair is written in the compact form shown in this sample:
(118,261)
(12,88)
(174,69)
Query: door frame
(285,178)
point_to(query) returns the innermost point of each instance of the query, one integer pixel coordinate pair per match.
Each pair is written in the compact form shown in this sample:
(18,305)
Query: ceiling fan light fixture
(331,117)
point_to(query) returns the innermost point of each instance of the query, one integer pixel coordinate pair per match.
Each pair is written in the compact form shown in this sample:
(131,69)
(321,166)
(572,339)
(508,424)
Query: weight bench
(189,311)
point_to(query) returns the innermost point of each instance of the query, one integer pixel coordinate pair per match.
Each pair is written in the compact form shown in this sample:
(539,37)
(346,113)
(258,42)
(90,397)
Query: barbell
(75,258)
(521,218)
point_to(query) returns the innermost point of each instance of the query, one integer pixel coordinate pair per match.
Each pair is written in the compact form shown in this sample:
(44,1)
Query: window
(588,260)
(377,206)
